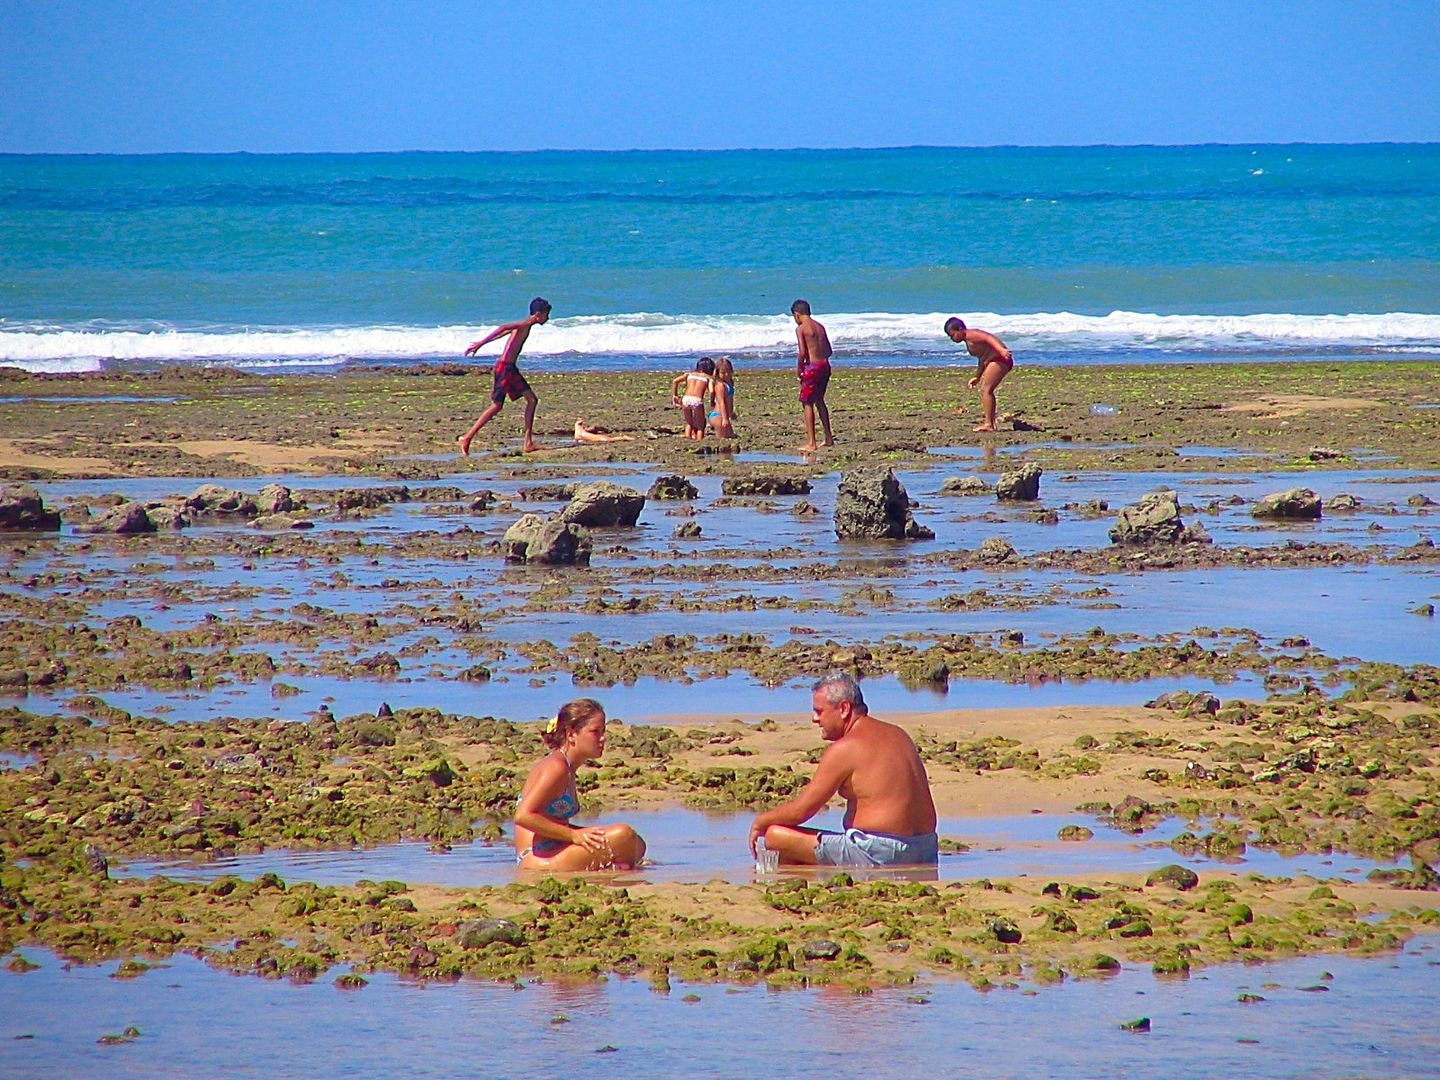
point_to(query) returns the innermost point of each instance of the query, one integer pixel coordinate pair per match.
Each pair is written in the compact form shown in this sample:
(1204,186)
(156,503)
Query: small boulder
(1174,875)
(275,499)
(687,530)
(123,520)
(1343,501)
(820,949)
(21,507)
(1155,519)
(1297,504)
(965,485)
(669,488)
(995,549)
(603,503)
(478,933)
(765,484)
(534,539)
(1019,485)
(220,501)
(872,505)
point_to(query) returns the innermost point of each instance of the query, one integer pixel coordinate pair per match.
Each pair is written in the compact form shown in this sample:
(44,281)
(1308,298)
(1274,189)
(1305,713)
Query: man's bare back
(886,789)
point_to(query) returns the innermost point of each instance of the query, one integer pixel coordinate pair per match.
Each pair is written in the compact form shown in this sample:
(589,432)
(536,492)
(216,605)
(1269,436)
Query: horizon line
(716,150)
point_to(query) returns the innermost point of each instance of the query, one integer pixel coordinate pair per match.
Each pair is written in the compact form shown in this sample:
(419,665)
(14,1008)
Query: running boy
(812,368)
(508,380)
(995,364)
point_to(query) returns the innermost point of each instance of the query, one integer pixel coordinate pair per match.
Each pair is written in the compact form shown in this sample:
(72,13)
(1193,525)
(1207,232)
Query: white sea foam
(646,334)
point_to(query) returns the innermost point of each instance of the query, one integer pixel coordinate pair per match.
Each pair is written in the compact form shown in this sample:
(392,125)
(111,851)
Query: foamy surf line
(1047,337)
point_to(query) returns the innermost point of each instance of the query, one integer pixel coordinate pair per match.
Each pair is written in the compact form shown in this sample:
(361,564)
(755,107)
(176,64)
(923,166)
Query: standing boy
(812,368)
(995,364)
(508,380)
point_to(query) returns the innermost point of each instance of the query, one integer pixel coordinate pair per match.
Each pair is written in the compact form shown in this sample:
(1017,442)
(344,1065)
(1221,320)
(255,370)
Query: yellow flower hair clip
(552,725)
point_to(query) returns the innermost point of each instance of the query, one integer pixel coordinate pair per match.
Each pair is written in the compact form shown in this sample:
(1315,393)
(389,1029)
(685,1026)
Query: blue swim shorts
(855,848)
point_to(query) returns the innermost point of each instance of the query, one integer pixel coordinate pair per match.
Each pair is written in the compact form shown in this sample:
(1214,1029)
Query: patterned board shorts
(814,378)
(508,383)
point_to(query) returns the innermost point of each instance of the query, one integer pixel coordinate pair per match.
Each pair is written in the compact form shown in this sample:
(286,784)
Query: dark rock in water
(478,933)
(872,505)
(166,518)
(351,981)
(368,498)
(804,508)
(687,530)
(603,503)
(220,501)
(127,519)
(995,549)
(1180,877)
(552,542)
(384,710)
(21,507)
(476,673)
(1297,504)
(1075,833)
(275,499)
(1019,485)
(546,492)
(279,522)
(965,485)
(666,488)
(1419,500)
(765,484)
(820,949)
(421,957)
(1139,1024)
(1154,519)
(1343,501)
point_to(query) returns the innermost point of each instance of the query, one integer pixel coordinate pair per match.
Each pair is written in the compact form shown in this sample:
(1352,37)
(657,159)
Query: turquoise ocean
(1073,255)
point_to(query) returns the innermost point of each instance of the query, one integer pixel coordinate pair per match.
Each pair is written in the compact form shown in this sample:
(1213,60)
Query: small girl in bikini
(698,384)
(722,397)
(995,364)
(544,837)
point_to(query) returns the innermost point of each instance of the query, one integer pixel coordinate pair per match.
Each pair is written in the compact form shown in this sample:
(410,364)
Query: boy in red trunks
(812,368)
(995,364)
(508,380)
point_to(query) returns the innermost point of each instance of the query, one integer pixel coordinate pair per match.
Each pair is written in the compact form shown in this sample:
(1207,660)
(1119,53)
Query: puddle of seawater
(645,701)
(60,399)
(16,761)
(1376,1020)
(690,846)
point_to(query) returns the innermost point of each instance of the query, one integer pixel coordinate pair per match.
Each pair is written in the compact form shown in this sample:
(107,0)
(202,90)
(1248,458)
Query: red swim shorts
(814,378)
(508,383)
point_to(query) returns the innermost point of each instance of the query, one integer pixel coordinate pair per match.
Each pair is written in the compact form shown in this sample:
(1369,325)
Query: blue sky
(127,76)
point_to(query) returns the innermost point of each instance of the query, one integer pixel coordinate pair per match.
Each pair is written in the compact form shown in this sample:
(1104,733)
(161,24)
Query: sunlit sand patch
(271,455)
(1299,404)
(20,454)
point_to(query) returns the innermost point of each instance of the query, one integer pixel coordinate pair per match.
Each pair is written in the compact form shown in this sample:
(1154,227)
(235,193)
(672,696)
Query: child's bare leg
(809,429)
(531,401)
(824,412)
(485,417)
(989,379)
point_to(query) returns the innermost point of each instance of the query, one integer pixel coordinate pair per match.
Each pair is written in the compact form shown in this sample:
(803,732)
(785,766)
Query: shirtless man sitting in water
(874,766)
(995,364)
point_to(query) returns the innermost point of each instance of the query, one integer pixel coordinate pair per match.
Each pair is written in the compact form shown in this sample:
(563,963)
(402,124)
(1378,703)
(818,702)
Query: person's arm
(800,351)
(549,785)
(675,387)
(494,335)
(833,771)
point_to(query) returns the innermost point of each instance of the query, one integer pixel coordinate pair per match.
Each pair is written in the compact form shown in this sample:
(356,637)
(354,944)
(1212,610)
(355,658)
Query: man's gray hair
(838,686)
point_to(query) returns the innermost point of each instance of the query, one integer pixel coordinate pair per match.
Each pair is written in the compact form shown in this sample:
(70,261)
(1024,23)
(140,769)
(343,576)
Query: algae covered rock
(479,933)
(21,507)
(1154,519)
(965,485)
(603,504)
(534,539)
(994,550)
(765,484)
(1174,875)
(872,505)
(1296,504)
(672,488)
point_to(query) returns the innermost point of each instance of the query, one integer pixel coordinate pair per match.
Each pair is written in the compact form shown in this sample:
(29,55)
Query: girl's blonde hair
(571,717)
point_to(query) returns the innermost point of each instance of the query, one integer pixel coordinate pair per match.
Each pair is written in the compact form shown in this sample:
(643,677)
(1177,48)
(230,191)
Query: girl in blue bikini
(544,837)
